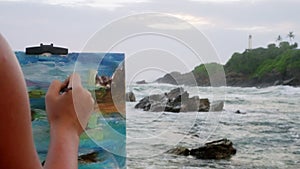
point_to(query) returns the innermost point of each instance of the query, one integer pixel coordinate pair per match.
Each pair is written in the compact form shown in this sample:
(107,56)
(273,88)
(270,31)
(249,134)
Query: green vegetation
(212,68)
(262,65)
(258,62)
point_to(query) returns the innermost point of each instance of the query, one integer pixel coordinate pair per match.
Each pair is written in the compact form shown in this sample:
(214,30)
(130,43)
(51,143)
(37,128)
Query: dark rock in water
(204,105)
(217,106)
(33,113)
(130,97)
(91,157)
(141,82)
(277,82)
(289,81)
(239,112)
(284,82)
(219,149)
(179,151)
(37,114)
(88,158)
(177,100)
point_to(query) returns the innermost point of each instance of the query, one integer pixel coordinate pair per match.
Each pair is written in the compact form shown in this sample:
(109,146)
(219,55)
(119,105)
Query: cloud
(216,1)
(226,1)
(251,29)
(104,4)
(182,22)
(195,20)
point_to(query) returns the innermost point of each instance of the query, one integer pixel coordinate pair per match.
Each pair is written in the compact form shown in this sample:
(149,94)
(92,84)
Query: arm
(16,144)
(68,114)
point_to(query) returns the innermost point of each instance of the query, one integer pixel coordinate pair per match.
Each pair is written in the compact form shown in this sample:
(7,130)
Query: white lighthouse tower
(250,42)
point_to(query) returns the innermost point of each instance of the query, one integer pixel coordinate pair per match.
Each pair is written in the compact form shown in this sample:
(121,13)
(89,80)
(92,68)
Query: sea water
(266,133)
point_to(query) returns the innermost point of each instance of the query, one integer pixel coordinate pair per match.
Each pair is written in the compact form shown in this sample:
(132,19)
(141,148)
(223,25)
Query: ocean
(266,133)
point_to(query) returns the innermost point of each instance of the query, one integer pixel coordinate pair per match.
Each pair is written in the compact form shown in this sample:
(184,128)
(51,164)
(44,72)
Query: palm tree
(279,39)
(291,36)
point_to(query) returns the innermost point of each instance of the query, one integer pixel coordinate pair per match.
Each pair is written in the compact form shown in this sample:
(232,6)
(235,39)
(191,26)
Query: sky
(226,25)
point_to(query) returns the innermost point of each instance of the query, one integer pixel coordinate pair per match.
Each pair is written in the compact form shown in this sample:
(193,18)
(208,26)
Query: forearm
(63,150)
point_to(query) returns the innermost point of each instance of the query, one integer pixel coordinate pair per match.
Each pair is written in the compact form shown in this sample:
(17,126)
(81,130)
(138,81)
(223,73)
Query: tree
(284,45)
(279,39)
(291,36)
(271,46)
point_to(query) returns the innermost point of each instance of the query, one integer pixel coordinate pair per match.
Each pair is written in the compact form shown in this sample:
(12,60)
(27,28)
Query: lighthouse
(250,42)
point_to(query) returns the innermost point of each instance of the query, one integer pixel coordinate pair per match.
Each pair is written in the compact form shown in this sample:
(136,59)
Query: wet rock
(277,82)
(289,81)
(88,158)
(91,157)
(33,114)
(177,100)
(130,97)
(141,82)
(37,114)
(217,106)
(219,149)
(179,151)
(204,105)
(239,112)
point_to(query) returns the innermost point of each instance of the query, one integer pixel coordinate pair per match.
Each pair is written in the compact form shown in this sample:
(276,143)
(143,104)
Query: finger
(54,88)
(75,80)
(66,82)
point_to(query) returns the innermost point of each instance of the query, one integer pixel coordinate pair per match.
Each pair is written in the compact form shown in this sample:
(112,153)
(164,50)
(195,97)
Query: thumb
(54,88)
(75,80)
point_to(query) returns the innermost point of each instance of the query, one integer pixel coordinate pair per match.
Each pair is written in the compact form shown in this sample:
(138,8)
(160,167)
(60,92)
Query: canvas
(103,145)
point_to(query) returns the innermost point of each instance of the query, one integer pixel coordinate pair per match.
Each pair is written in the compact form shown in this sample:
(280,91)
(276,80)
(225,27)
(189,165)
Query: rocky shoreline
(177,100)
(232,79)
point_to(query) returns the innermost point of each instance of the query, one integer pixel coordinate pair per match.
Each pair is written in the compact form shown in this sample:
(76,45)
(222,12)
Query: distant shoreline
(260,67)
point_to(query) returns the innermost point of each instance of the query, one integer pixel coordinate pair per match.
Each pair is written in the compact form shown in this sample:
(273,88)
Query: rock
(239,112)
(38,114)
(91,157)
(149,102)
(288,82)
(174,93)
(177,100)
(33,114)
(88,158)
(191,104)
(141,82)
(277,82)
(219,149)
(204,105)
(217,106)
(179,151)
(130,97)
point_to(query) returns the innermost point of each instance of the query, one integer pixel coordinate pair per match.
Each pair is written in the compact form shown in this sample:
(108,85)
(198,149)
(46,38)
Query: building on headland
(250,42)
(42,49)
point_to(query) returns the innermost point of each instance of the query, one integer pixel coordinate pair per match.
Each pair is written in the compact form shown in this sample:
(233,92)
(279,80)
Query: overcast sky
(226,23)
